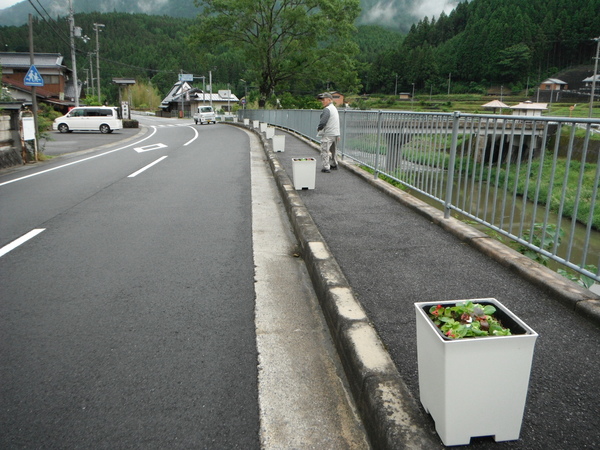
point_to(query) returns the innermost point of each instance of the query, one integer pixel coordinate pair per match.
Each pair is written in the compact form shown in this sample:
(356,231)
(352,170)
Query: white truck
(205,114)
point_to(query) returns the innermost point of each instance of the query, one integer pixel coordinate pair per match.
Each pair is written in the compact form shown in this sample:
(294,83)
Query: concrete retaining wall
(10,154)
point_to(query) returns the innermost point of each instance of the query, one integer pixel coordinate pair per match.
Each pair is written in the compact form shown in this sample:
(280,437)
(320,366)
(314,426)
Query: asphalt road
(153,299)
(129,321)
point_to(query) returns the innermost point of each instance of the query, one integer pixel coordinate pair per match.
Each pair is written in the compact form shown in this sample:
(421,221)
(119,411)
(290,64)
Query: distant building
(183,96)
(553,84)
(529,108)
(589,80)
(58,86)
(338,98)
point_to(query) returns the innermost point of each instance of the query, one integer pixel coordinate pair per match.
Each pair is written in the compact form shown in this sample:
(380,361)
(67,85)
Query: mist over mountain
(395,14)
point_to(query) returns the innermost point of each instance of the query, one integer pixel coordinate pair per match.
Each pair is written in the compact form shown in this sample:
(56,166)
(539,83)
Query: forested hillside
(486,42)
(480,43)
(131,45)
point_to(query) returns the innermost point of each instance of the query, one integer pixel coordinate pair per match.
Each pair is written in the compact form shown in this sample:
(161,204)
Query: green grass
(470,104)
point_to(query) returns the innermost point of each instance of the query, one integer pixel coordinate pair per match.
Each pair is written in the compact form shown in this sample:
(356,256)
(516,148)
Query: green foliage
(544,238)
(486,41)
(46,115)
(582,280)
(144,96)
(467,319)
(285,42)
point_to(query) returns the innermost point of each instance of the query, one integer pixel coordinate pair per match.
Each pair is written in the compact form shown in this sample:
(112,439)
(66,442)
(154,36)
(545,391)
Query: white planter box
(304,172)
(255,123)
(270,132)
(474,386)
(279,143)
(246,122)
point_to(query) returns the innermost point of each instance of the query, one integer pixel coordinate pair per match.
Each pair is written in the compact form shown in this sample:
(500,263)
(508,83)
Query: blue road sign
(33,77)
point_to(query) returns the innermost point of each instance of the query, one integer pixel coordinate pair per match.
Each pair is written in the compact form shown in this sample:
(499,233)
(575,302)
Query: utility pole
(33,88)
(93,89)
(210,86)
(595,75)
(73,56)
(97,27)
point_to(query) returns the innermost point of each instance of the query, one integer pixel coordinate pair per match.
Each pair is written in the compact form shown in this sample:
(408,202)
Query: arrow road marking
(149,148)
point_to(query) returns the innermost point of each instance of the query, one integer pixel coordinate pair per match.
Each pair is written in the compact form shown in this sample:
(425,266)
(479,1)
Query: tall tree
(286,41)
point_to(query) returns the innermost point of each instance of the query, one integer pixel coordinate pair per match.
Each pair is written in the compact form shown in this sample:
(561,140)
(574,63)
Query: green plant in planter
(467,319)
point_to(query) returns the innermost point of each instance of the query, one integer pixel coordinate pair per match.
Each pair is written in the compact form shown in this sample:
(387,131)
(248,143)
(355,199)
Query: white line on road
(193,139)
(14,244)
(135,174)
(80,160)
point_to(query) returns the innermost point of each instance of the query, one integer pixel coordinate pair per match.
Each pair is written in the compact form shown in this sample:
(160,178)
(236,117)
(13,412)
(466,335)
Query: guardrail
(523,177)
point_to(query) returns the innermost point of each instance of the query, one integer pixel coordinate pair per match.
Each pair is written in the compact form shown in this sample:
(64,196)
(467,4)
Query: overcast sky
(7,3)
(426,8)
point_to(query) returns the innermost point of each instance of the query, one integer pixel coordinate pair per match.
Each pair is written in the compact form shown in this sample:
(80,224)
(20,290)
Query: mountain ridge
(393,14)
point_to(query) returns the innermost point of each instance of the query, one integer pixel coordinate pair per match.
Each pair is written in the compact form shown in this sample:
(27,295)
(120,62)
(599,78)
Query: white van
(89,118)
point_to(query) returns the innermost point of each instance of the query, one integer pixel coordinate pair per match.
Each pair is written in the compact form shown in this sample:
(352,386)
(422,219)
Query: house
(184,97)
(529,108)
(58,88)
(553,84)
(224,99)
(590,80)
(338,98)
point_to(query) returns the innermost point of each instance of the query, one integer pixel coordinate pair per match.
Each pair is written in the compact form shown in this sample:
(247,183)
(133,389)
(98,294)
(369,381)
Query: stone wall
(10,153)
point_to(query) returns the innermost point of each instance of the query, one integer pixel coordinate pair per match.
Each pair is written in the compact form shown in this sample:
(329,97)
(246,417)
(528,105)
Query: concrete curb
(389,412)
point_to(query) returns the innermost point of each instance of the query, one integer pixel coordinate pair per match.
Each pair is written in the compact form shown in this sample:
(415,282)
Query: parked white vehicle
(105,119)
(205,114)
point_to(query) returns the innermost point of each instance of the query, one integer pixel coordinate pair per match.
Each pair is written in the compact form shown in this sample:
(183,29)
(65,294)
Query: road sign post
(33,78)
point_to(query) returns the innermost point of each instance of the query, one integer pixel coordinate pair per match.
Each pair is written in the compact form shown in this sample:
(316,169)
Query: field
(467,103)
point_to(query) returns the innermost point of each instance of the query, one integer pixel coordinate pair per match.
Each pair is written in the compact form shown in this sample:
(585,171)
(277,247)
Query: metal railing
(520,176)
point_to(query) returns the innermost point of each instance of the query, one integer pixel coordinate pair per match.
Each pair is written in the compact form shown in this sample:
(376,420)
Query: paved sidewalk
(387,251)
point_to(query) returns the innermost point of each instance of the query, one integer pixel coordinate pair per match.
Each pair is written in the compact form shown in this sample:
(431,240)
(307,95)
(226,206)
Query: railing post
(451,164)
(376,171)
(343,136)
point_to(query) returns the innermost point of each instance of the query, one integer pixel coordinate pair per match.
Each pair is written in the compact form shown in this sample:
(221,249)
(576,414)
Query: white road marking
(14,244)
(135,174)
(193,139)
(80,160)
(149,148)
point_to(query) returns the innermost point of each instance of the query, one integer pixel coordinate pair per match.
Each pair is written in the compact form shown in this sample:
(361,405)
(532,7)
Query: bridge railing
(532,179)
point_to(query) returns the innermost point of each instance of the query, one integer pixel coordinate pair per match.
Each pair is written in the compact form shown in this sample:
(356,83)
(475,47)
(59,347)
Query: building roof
(174,94)
(40,60)
(123,81)
(531,106)
(495,104)
(553,81)
(198,95)
(590,79)
(219,97)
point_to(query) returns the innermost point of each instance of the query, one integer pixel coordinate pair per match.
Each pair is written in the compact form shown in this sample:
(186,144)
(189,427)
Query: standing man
(329,130)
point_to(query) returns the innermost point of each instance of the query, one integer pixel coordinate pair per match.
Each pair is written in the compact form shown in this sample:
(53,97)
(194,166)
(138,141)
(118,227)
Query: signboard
(125,110)
(28,129)
(186,77)
(33,78)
